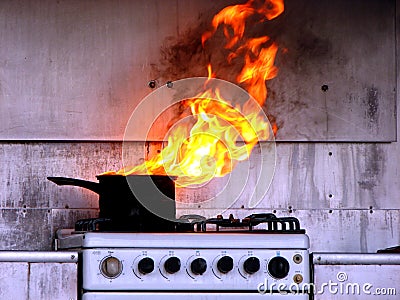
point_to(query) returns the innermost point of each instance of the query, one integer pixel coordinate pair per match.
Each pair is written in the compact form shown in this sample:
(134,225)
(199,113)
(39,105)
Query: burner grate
(251,223)
(259,223)
(93,224)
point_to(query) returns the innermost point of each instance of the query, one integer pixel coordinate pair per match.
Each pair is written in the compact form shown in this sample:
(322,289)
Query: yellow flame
(210,147)
(222,135)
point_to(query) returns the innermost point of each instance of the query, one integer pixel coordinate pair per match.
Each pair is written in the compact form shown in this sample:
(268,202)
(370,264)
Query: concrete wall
(71,73)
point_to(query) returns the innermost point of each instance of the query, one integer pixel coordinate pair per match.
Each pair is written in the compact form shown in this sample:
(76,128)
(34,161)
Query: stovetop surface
(67,239)
(192,231)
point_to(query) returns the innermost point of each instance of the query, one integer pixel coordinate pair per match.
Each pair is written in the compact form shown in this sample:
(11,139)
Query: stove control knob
(172,265)
(111,267)
(146,265)
(198,266)
(251,265)
(225,264)
(278,267)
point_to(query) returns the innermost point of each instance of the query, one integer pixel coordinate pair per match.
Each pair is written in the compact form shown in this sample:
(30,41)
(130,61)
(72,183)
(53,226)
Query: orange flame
(210,72)
(259,60)
(222,134)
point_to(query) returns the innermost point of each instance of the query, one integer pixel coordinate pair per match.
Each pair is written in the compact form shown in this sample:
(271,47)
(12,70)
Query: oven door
(185,296)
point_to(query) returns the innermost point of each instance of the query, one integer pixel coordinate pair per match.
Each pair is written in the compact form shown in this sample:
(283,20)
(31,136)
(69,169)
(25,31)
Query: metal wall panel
(64,62)
(337,81)
(34,229)
(25,167)
(356,176)
(25,229)
(75,70)
(307,176)
(351,230)
(314,176)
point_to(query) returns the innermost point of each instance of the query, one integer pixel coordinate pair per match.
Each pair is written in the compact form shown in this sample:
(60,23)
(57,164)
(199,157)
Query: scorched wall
(72,72)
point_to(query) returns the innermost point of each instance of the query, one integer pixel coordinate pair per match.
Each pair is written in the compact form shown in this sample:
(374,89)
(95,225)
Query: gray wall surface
(71,73)
(75,70)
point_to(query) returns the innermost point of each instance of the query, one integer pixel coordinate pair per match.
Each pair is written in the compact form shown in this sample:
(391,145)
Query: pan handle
(90,185)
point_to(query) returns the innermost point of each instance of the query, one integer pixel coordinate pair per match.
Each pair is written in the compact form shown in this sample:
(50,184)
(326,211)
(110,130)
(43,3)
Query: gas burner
(93,224)
(272,223)
(191,219)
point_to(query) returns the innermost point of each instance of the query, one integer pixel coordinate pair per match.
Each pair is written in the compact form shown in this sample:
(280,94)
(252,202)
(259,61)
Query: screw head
(152,84)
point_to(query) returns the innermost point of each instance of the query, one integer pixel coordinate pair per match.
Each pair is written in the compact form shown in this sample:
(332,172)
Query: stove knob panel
(225,264)
(251,265)
(111,267)
(278,267)
(146,265)
(198,266)
(172,265)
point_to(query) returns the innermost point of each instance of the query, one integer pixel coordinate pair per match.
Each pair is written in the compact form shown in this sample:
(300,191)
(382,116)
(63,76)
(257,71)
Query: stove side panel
(14,280)
(53,281)
(356,282)
(33,281)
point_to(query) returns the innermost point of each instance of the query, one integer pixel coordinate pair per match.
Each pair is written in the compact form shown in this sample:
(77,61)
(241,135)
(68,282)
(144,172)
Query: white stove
(234,264)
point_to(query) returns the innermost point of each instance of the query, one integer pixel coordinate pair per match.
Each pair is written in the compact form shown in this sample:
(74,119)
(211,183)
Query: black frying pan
(134,202)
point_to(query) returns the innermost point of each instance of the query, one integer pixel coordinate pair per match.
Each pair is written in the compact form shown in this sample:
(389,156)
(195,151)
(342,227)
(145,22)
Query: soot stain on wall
(372,105)
(374,167)
(364,222)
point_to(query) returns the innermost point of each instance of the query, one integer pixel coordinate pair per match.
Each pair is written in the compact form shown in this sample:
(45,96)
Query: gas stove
(204,258)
